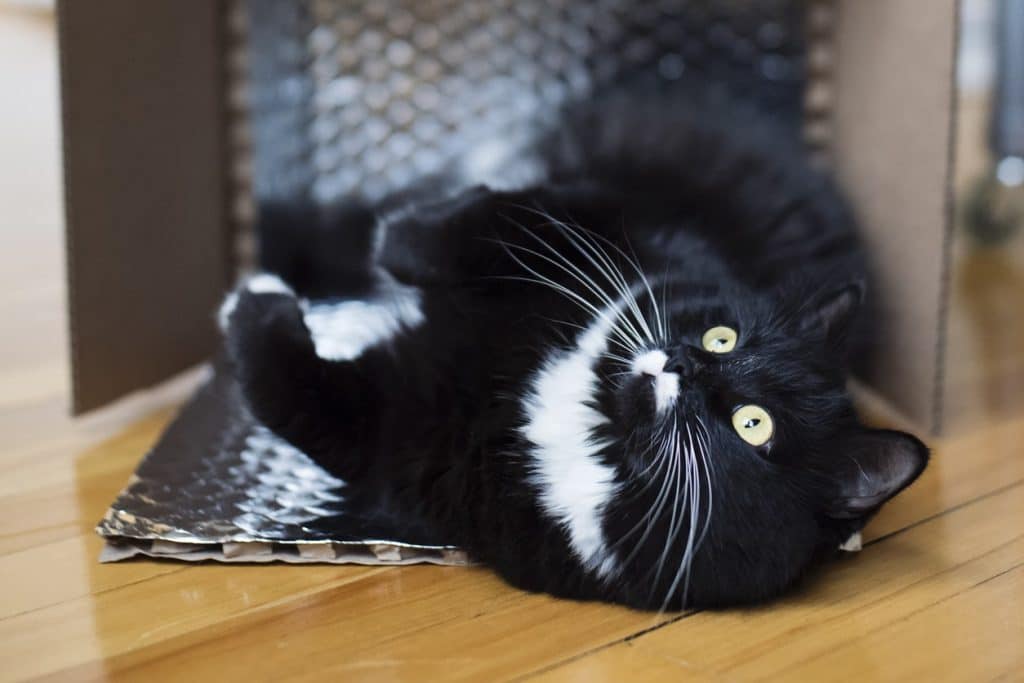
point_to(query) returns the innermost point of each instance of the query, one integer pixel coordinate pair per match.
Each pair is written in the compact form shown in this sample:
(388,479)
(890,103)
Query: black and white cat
(625,381)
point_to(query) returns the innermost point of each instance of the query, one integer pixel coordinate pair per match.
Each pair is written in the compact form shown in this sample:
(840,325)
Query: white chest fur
(575,486)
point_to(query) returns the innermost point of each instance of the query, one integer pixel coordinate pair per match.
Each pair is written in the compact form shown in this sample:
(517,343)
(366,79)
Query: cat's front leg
(321,406)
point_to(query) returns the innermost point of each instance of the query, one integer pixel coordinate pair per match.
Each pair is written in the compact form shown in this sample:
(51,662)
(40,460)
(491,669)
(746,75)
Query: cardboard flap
(144,163)
(893,122)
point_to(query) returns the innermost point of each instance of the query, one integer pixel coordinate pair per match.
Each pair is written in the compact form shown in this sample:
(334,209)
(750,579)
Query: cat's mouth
(664,385)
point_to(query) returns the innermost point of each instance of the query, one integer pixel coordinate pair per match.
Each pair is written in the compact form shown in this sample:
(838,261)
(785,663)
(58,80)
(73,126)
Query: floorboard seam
(908,615)
(923,520)
(604,646)
(958,506)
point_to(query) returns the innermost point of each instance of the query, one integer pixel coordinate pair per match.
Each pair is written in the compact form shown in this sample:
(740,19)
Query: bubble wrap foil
(362,98)
(219,486)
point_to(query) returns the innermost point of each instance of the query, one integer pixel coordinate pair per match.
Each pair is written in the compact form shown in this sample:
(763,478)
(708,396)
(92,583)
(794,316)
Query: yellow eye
(720,339)
(753,424)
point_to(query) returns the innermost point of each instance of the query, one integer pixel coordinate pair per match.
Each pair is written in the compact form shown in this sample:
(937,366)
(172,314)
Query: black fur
(732,228)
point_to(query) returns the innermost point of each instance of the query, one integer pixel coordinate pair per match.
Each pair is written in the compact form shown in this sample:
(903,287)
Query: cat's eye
(753,424)
(719,339)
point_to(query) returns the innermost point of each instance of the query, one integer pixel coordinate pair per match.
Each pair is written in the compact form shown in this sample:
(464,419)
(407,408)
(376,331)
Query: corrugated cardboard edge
(118,549)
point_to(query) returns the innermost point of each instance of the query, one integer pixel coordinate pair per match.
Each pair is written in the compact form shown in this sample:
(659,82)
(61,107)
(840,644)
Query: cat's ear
(832,312)
(872,467)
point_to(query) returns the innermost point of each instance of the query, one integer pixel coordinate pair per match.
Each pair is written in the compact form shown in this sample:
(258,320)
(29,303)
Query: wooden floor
(937,594)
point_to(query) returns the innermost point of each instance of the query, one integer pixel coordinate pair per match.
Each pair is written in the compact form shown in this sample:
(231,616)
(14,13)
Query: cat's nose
(687,362)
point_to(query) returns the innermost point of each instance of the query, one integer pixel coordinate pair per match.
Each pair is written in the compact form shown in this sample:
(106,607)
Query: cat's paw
(263,322)
(262,283)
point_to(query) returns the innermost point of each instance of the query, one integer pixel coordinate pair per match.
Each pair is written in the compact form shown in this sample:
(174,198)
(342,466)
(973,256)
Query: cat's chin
(650,376)
(644,400)
(656,396)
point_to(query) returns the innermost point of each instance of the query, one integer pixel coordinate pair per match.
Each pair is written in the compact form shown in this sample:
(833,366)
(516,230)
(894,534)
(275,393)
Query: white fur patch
(854,544)
(666,390)
(227,307)
(650,363)
(262,283)
(575,486)
(666,384)
(265,283)
(343,330)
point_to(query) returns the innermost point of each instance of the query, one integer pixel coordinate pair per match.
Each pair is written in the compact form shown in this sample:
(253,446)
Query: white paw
(265,283)
(853,544)
(226,309)
(262,283)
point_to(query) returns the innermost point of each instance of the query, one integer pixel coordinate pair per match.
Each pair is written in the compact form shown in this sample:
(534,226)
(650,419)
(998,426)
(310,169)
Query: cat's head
(742,460)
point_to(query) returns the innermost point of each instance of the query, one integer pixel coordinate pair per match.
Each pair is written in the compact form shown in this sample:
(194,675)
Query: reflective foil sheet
(219,486)
(363,98)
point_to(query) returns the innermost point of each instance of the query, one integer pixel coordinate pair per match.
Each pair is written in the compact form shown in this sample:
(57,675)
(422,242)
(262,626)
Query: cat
(622,381)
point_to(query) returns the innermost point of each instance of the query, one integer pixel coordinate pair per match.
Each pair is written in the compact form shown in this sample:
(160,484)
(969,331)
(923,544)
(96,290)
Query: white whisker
(654,511)
(608,268)
(630,259)
(570,268)
(585,243)
(673,531)
(630,337)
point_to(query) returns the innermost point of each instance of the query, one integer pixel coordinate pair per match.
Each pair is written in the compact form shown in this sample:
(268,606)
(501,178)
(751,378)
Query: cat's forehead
(749,313)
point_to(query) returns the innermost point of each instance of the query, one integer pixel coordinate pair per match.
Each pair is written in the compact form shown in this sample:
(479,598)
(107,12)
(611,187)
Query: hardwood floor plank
(62,497)
(37,578)
(459,623)
(940,642)
(134,616)
(463,624)
(625,662)
(892,580)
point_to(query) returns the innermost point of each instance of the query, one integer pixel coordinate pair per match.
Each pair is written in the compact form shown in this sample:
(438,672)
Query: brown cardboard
(893,134)
(145,196)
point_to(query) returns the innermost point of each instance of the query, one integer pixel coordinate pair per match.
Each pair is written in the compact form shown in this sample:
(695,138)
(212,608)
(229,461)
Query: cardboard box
(148,158)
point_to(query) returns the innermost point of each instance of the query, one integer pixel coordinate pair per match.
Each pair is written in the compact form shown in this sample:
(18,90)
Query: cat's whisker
(659,319)
(623,337)
(609,269)
(604,298)
(704,440)
(669,484)
(700,444)
(566,323)
(692,503)
(570,268)
(606,267)
(664,303)
(629,336)
(630,259)
(681,470)
(654,511)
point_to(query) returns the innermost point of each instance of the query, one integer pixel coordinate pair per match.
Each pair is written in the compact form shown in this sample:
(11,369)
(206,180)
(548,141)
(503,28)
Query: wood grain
(938,594)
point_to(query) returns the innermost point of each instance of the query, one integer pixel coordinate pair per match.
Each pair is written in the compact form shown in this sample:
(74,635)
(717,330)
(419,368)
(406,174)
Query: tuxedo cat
(623,380)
